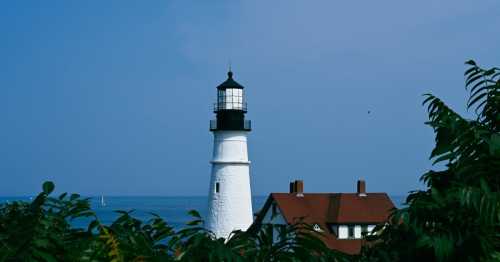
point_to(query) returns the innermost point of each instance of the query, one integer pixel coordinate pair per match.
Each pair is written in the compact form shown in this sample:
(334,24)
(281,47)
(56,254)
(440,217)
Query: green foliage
(42,231)
(458,217)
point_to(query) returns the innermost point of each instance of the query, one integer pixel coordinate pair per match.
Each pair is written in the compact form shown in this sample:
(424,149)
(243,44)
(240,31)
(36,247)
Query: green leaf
(471,70)
(48,187)
(472,80)
(194,222)
(194,213)
(445,157)
(489,72)
(92,225)
(475,93)
(477,85)
(429,98)
(74,197)
(470,62)
(476,99)
(62,196)
(44,255)
(41,243)
(494,144)
(123,212)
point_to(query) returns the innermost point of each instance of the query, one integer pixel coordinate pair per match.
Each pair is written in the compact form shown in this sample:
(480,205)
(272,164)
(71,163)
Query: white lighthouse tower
(230,199)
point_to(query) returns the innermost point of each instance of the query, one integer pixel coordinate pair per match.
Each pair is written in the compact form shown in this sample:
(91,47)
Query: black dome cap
(229,83)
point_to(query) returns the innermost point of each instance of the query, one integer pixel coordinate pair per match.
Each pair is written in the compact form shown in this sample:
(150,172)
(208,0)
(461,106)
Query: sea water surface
(174,210)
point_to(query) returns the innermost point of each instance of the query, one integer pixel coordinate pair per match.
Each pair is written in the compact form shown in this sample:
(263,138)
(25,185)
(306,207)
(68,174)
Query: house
(340,217)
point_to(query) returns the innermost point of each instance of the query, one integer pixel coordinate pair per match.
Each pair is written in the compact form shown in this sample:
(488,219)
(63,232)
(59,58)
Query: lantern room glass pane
(231,98)
(240,99)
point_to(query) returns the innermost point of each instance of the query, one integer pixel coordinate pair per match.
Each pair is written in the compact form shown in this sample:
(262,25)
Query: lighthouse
(229,197)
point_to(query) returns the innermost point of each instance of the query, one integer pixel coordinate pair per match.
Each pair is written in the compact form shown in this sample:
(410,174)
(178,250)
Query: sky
(114,97)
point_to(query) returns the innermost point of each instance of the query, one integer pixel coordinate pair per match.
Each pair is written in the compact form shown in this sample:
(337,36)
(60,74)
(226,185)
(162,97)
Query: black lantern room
(231,107)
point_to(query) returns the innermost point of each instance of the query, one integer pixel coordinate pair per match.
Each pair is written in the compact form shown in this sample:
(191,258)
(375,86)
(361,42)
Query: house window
(217,187)
(350,231)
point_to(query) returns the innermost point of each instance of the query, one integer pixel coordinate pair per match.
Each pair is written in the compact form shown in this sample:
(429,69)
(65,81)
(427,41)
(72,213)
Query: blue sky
(113,97)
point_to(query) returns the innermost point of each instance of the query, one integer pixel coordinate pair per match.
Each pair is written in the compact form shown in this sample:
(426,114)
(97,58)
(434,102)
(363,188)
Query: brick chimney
(297,187)
(361,188)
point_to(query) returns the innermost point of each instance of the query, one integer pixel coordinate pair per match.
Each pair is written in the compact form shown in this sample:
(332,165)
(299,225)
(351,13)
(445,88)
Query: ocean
(172,209)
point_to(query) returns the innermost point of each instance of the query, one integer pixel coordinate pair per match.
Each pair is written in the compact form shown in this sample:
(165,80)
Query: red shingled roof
(336,208)
(333,208)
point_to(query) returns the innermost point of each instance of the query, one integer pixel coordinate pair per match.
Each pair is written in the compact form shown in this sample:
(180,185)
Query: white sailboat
(103,204)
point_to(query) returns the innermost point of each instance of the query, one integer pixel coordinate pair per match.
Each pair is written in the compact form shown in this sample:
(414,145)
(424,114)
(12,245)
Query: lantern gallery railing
(245,125)
(230,106)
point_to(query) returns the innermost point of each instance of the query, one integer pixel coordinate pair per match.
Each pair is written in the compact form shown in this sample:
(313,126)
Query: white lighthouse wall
(230,208)
(230,146)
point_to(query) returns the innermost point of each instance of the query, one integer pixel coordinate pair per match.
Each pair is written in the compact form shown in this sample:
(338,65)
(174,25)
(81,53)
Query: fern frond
(114,253)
